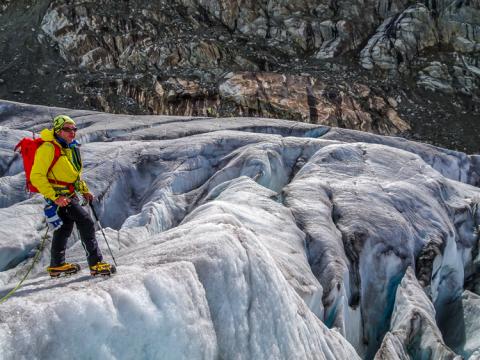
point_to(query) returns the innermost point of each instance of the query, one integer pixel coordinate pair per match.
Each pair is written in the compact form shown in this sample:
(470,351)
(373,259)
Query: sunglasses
(69,129)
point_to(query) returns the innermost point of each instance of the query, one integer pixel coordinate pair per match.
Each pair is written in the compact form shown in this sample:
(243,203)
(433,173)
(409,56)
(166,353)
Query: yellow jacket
(67,169)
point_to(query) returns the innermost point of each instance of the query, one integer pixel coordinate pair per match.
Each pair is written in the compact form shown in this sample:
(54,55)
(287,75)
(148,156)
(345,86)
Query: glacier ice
(246,238)
(413,332)
(461,324)
(160,313)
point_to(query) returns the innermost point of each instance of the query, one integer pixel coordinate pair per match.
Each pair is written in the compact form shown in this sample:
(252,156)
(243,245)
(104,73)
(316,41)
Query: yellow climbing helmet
(61,120)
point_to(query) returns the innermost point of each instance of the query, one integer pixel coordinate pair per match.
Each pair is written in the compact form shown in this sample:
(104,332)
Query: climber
(62,188)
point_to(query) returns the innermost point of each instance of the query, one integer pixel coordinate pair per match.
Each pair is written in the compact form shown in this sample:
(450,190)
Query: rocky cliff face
(386,66)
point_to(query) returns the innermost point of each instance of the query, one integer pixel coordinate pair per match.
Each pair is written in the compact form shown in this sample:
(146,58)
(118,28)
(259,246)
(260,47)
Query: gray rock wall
(177,58)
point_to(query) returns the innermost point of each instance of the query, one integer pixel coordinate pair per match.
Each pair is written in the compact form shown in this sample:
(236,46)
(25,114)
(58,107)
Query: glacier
(247,238)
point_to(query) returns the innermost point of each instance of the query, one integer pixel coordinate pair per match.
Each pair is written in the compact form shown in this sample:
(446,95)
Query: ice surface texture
(248,238)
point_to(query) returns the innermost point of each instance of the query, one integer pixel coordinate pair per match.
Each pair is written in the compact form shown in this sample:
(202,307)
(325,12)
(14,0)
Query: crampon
(64,269)
(102,268)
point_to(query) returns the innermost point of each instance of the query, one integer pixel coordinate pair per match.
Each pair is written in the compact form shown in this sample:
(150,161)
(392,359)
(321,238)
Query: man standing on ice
(61,186)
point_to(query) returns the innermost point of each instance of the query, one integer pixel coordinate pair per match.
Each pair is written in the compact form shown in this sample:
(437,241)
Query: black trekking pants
(70,214)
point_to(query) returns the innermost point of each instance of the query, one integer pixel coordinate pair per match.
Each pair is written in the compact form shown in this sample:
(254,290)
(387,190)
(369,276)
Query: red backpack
(28,148)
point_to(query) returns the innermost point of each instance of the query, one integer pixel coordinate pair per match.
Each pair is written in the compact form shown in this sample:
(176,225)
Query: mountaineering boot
(65,268)
(102,268)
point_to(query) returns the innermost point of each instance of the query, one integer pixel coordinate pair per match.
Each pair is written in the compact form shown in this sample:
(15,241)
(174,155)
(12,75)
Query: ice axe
(100,226)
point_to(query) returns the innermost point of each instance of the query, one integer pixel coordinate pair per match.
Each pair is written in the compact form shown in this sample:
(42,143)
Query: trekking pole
(100,226)
(37,255)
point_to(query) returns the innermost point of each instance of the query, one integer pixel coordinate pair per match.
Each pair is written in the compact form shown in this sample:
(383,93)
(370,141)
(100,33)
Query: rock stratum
(248,238)
(393,67)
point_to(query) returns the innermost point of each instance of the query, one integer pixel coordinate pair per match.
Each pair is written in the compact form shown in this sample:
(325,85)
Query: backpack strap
(56,155)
